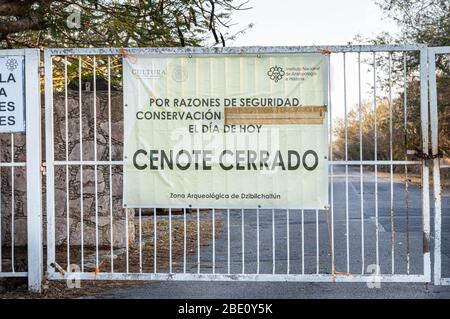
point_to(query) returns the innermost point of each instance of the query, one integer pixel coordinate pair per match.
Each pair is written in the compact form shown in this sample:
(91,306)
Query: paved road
(280,290)
(352,254)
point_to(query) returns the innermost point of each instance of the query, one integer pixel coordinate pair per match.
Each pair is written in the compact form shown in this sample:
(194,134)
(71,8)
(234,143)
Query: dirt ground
(17,287)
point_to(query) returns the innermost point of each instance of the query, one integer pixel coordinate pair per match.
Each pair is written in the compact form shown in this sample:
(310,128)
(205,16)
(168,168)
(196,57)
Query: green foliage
(117,23)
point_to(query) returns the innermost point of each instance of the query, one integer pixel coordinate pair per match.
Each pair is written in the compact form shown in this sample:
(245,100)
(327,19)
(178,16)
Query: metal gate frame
(434,121)
(333,277)
(32,101)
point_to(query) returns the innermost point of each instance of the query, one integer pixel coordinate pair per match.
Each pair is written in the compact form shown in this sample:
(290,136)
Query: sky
(318,22)
(309,22)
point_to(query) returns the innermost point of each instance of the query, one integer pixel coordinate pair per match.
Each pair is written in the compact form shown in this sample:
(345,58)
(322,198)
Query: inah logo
(11,64)
(276,73)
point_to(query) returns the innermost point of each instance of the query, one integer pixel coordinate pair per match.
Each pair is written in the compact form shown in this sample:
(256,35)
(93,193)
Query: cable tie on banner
(124,53)
(97,269)
(323,51)
(127,55)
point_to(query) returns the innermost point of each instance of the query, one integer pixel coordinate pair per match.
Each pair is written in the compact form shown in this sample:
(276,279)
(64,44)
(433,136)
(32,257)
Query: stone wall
(20,205)
(93,204)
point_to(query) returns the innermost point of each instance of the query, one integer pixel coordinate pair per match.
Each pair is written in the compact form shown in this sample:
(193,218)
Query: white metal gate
(378,223)
(20,167)
(441,162)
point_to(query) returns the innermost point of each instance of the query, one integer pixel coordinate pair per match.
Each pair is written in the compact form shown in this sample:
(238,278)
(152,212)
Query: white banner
(226,131)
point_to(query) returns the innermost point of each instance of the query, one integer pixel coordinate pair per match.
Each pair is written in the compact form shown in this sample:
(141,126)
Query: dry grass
(415,179)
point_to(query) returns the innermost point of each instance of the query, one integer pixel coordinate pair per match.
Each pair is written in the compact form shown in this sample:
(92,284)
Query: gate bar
(425,168)
(236,277)
(49,159)
(375,138)
(405,124)
(237,50)
(361,168)
(432,52)
(436,168)
(33,168)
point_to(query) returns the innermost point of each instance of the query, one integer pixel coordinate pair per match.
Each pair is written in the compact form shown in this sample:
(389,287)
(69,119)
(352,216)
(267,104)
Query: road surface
(399,252)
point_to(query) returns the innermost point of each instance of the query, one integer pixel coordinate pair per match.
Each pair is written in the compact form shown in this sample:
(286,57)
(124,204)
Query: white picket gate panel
(441,163)
(34,255)
(302,246)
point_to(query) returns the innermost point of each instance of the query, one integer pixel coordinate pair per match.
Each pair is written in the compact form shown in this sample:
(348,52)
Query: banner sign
(226,131)
(12,108)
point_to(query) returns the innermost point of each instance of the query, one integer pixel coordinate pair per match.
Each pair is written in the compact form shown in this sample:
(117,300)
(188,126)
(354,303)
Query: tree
(428,22)
(117,23)
(421,21)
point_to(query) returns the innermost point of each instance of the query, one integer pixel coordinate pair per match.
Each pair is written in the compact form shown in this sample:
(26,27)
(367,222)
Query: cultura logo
(11,64)
(276,73)
(149,73)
